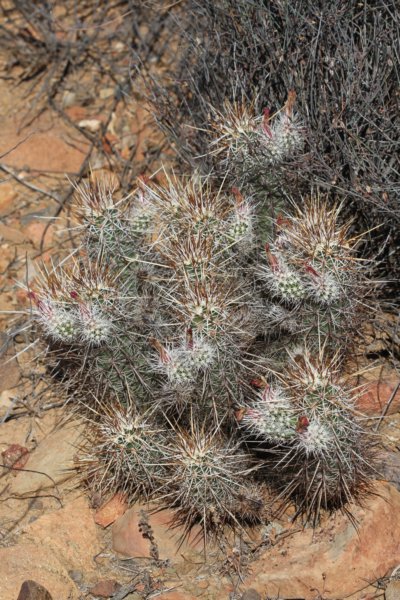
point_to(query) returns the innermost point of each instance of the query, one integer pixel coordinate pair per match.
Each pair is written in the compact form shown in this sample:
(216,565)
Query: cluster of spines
(307,429)
(249,145)
(181,364)
(125,451)
(311,272)
(74,306)
(208,480)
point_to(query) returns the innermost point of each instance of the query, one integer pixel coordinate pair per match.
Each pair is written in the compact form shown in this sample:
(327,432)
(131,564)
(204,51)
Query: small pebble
(250,594)
(30,590)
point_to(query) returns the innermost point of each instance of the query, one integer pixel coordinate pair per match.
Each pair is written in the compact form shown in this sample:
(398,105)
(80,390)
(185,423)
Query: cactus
(173,306)
(251,147)
(207,480)
(311,438)
(124,451)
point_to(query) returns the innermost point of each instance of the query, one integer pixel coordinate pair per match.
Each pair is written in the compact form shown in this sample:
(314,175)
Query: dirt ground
(51,532)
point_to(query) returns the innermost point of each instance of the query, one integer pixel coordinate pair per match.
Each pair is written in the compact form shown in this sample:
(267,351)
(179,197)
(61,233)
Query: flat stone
(377,395)
(335,558)
(111,510)
(30,590)
(35,231)
(129,541)
(71,533)
(392,591)
(10,234)
(105,588)
(43,145)
(52,460)
(251,594)
(54,546)
(27,560)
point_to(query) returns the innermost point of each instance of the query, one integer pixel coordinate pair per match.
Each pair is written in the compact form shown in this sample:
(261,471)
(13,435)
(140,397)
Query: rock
(105,588)
(28,560)
(54,546)
(68,99)
(392,591)
(335,558)
(52,460)
(251,594)
(70,533)
(128,540)
(6,400)
(15,456)
(106,93)
(44,145)
(389,468)
(377,394)
(91,125)
(76,113)
(111,510)
(30,590)
(76,576)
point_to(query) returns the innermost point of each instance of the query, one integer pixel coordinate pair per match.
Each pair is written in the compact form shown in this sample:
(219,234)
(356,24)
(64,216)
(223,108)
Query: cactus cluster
(305,426)
(197,348)
(252,147)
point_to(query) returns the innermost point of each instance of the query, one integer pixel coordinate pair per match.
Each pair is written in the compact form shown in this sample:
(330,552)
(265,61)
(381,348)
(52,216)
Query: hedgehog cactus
(307,428)
(312,273)
(125,451)
(173,310)
(207,479)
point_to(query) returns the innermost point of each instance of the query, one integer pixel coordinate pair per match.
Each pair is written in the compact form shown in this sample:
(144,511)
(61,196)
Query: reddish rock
(15,456)
(43,146)
(129,541)
(335,559)
(377,394)
(111,510)
(30,590)
(76,113)
(105,588)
